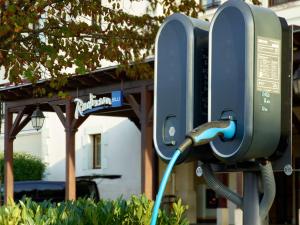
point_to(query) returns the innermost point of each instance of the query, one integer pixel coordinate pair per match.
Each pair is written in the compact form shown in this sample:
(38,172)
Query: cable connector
(185,144)
(207,132)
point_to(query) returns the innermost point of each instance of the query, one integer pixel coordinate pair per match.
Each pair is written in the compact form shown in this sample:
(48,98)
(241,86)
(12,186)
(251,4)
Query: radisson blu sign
(95,104)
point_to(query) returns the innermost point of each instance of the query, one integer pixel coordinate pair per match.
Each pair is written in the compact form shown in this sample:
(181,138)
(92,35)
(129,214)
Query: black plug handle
(207,132)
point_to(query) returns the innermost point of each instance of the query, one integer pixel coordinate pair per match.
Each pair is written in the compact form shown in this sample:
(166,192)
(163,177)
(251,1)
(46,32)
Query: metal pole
(251,199)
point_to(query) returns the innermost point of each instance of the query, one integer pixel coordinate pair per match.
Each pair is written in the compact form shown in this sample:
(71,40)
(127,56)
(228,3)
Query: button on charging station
(169,130)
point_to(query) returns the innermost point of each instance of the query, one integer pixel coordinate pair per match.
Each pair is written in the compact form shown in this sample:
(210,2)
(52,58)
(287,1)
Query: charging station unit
(180,91)
(249,101)
(245,80)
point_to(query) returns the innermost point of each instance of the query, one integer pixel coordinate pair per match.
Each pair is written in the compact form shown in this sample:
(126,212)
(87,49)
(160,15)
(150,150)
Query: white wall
(121,154)
(27,141)
(121,151)
(120,148)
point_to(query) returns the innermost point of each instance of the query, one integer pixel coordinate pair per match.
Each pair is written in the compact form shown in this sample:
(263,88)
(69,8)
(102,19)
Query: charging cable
(199,136)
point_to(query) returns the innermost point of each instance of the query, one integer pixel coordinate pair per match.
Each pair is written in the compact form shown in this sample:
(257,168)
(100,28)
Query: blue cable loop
(228,133)
(162,186)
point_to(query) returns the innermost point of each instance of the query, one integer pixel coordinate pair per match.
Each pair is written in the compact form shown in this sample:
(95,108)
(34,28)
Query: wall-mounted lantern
(37,119)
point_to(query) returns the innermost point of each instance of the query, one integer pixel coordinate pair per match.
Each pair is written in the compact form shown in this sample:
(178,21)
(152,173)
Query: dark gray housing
(245,79)
(181,74)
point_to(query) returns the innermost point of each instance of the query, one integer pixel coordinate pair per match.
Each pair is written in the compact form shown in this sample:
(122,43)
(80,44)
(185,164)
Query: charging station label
(268,65)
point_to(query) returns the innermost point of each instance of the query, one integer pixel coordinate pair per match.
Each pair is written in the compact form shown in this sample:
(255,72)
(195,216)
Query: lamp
(37,118)
(296,82)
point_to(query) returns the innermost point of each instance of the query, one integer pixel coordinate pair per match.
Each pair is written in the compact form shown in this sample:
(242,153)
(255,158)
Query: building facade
(104,146)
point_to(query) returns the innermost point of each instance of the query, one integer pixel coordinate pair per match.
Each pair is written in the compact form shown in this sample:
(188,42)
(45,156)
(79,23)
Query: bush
(136,211)
(26,167)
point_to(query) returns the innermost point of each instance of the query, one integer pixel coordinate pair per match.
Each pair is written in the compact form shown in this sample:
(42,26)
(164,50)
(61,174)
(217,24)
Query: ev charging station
(180,89)
(245,79)
(248,97)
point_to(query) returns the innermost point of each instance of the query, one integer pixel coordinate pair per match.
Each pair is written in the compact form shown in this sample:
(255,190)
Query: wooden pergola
(138,107)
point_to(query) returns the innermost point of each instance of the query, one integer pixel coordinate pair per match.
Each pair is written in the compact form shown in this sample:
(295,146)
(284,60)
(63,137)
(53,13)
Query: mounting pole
(251,199)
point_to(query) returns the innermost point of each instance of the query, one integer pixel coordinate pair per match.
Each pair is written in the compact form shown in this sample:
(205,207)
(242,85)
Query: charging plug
(207,132)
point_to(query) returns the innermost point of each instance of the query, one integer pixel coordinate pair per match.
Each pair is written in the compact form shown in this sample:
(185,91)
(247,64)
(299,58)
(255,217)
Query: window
(278,2)
(208,4)
(96,151)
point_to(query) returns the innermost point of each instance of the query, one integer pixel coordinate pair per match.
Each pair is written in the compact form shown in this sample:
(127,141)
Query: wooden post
(12,128)
(70,153)
(148,158)
(71,125)
(8,158)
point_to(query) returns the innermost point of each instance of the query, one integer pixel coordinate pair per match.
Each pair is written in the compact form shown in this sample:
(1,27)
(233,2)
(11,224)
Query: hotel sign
(95,104)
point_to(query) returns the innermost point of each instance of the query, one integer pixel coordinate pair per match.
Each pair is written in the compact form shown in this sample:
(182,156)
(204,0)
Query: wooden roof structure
(138,107)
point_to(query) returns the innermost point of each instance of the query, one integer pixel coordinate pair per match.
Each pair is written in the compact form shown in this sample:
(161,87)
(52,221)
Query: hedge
(26,167)
(135,211)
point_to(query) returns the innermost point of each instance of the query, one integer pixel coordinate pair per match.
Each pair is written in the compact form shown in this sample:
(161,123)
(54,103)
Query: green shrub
(135,211)
(26,167)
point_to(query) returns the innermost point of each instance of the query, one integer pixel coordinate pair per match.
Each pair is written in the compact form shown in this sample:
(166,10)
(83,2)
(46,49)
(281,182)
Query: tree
(43,38)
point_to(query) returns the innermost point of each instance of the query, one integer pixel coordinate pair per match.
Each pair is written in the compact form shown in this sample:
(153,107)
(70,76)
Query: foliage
(135,211)
(39,37)
(26,167)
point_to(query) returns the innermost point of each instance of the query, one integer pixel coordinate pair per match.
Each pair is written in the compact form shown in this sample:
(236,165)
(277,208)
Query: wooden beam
(85,82)
(76,123)
(134,90)
(23,123)
(15,109)
(70,152)
(59,113)
(27,91)
(97,78)
(134,105)
(129,87)
(150,115)
(12,132)
(15,105)
(8,159)
(150,87)
(148,158)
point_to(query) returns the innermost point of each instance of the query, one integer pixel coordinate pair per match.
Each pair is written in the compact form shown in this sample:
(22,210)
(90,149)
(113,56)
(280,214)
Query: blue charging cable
(201,135)
(162,186)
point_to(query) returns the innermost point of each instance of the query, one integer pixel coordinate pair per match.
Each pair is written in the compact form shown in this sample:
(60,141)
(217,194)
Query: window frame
(211,5)
(279,2)
(96,152)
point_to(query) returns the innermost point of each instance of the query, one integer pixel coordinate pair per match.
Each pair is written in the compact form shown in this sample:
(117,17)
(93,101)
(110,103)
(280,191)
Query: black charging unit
(180,91)
(246,80)
(250,82)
